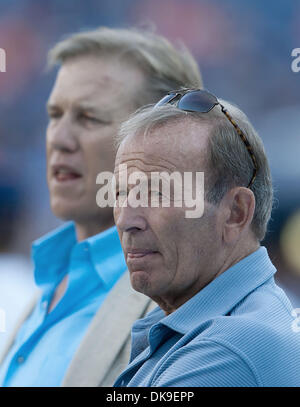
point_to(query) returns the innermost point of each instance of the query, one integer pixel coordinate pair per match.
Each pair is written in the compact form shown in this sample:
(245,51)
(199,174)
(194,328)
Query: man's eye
(92,119)
(54,115)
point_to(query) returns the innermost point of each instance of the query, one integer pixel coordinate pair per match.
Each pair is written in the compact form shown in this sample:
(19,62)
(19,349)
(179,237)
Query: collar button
(20,359)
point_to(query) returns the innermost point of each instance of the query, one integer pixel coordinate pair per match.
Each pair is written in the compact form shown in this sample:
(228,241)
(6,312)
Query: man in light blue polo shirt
(105,75)
(221,320)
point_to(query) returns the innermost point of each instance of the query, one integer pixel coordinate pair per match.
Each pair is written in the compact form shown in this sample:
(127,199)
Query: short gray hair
(227,158)
(165,67)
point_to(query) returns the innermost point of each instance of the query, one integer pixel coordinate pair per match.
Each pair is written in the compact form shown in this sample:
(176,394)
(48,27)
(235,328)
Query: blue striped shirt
(237,331)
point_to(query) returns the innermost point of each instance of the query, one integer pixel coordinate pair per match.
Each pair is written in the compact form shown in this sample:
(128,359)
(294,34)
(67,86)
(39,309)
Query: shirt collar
(107,255)
(51,254)
(223,293)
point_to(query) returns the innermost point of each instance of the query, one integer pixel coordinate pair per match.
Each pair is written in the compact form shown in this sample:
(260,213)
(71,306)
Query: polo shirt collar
(223,293)
(51,254)
(107,255)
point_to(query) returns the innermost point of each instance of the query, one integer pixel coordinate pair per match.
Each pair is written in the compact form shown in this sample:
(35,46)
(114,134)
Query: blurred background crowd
(244,52)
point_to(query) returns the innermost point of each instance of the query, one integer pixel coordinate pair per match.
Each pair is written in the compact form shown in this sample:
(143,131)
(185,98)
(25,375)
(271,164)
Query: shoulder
(260,320)
(207,363)
(253,345)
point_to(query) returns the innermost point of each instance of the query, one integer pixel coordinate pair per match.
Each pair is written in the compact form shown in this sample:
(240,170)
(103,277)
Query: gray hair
(165,67)
(227,158)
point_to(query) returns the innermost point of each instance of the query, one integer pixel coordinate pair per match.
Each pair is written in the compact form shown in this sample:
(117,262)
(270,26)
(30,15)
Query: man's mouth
(138,253)
(64,173)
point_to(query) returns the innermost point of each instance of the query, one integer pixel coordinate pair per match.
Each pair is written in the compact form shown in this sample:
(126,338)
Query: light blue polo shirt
(237,331)
(46,343)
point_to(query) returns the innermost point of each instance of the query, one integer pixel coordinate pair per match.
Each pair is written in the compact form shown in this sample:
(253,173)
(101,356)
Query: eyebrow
(50,106)
(84,106)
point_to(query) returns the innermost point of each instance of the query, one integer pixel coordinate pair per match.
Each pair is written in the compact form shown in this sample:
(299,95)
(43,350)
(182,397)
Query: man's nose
(129,219)
(62,135)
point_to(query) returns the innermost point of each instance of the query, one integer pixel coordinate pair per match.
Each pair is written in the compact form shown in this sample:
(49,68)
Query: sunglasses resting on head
(203,101)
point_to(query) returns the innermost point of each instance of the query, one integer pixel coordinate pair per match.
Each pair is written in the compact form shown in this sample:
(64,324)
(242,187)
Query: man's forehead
(83,85)
(82,98)
(103,68)
(181,144)
(141,160)
(90,79)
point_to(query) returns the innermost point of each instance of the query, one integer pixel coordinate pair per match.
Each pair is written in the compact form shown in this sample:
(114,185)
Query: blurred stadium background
(244,52)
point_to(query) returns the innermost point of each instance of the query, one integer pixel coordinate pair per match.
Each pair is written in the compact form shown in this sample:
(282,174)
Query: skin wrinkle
(155,161)
(173,231)
(88,99)
(103,115)
(144,166)
(186,247)
(93,85)
(87,145)
(165,305)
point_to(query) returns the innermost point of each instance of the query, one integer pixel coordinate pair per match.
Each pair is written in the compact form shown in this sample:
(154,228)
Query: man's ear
(239,207)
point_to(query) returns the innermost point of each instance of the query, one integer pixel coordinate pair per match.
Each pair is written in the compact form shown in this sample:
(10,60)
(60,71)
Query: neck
(236,254)
(85,230)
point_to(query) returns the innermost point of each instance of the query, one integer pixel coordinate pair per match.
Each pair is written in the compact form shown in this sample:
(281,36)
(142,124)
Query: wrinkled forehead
(96,78)
(179,145)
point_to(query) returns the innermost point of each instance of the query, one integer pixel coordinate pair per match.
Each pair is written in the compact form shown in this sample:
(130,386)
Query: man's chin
(85,215)
(66,212)
(140,281)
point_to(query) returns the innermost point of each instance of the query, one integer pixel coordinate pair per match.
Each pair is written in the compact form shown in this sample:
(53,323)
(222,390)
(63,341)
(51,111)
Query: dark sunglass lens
(197,101)
(166,99)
